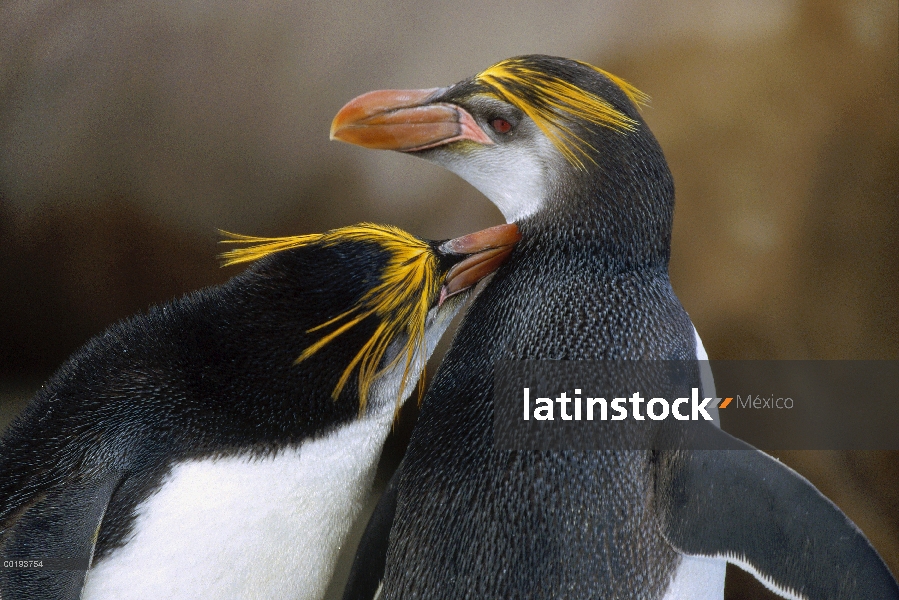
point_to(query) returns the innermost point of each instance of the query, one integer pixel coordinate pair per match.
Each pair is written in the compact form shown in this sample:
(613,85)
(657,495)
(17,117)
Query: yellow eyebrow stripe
(552,103)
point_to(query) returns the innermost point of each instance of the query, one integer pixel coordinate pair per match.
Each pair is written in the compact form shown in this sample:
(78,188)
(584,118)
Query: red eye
(501,125)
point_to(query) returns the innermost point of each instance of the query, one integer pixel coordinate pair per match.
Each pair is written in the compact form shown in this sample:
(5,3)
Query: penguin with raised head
(220,445)
(560,147)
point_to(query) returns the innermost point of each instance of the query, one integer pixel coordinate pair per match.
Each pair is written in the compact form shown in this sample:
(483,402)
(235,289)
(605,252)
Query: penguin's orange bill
(404,120)
(489,248)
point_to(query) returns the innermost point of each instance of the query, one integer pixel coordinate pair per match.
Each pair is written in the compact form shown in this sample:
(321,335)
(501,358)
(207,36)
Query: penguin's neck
(614,214)
(587,289)
(610,231)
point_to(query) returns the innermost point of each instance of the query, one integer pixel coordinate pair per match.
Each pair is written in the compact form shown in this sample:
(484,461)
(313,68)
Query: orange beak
(489,248)
(404,120)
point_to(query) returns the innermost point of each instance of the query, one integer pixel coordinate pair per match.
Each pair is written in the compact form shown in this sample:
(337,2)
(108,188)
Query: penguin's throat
(595,240)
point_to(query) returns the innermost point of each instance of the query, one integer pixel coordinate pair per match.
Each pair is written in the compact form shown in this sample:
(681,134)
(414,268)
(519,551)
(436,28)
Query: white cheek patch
(512,176)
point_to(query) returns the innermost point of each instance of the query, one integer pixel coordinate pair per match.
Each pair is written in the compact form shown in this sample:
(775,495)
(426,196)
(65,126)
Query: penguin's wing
(746,507)
(56,536)
(371,556)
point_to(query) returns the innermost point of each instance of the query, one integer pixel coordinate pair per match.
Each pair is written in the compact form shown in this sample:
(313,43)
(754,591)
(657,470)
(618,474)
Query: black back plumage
(588,281)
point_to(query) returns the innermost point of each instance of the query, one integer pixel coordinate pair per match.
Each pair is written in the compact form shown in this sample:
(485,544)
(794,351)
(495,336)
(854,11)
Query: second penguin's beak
(485,251)
(404,120)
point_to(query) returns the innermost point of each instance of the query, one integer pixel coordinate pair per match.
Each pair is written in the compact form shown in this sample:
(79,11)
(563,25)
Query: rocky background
(130,131)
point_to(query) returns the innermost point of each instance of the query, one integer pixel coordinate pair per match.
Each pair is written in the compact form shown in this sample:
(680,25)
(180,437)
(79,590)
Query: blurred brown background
(130,131)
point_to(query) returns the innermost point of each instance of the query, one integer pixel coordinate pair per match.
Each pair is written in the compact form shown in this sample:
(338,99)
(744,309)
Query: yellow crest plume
(551,101)
(400,301)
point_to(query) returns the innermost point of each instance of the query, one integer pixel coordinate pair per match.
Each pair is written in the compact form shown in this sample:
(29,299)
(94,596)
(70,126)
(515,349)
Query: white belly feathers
(243,527)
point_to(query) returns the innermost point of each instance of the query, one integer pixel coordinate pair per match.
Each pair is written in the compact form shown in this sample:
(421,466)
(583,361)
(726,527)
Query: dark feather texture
(589,282)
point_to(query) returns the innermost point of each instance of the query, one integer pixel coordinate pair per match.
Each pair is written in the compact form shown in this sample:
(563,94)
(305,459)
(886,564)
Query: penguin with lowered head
(220,445)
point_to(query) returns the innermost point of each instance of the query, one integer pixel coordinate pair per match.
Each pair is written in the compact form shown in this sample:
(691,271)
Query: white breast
(240,527)
(243,527)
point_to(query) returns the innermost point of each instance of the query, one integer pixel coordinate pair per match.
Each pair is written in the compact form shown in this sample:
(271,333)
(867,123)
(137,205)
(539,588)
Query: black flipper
(67,520)
(749,508)
(371,557)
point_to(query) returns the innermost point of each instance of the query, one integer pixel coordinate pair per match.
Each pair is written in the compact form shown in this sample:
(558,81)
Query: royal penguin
(220,445)
(560,148)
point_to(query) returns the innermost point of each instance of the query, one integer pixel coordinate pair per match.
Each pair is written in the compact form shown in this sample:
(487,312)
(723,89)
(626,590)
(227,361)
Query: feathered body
(560,147)
(202,448)
(589,281)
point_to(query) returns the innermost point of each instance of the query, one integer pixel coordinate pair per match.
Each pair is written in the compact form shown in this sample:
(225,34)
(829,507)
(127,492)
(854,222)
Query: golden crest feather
(400,301)
(551,101)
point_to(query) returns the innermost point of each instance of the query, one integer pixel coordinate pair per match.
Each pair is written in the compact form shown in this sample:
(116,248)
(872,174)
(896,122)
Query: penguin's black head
(409,291)
(553,142)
